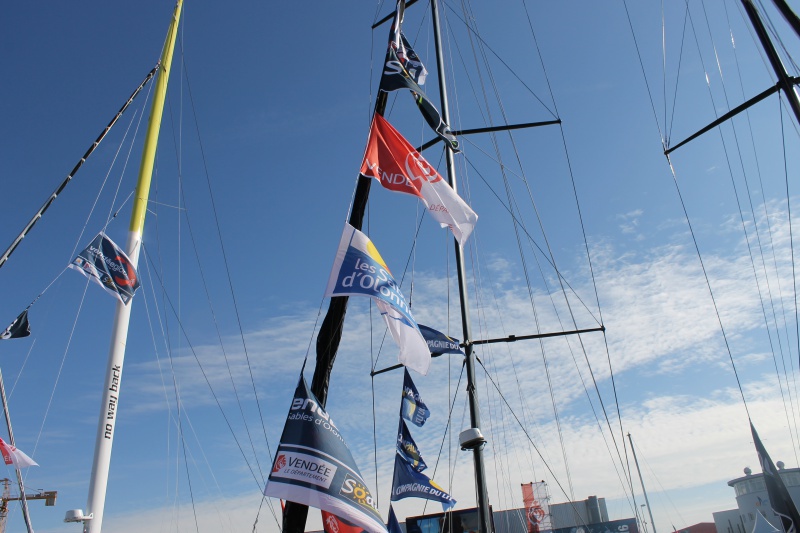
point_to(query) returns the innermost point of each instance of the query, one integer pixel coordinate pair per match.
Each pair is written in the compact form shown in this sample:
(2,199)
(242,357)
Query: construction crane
(49,497)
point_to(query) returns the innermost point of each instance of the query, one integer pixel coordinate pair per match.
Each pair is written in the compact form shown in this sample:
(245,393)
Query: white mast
(93,520)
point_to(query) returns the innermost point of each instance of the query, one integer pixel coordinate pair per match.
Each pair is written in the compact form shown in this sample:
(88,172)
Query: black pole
(472,393)
(330,334)
(54,195)
(784,80)
(788,14)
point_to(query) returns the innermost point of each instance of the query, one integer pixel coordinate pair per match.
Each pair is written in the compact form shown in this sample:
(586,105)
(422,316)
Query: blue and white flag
(438,342)
(403,69)
(408,483)
(359,270)
(313,466)
(412,408)
(107,265)
(407,448)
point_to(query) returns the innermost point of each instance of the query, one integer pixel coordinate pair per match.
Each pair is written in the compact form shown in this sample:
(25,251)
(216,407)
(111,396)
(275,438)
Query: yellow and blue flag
(412,408)
(408,483)
(359,270)
(408,449)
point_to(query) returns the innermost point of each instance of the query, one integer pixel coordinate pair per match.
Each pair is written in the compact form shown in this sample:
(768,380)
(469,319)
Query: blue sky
(282,96)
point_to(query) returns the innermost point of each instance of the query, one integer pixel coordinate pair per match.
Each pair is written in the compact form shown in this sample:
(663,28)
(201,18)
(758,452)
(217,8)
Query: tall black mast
(330,334)
(472,393)
(786,83)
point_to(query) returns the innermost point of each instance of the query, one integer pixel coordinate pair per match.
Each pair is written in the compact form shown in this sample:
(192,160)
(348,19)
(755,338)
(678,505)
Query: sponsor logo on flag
(333,524)
(302,467)
(107,265)
(412,408)
(408,483)
(361,271)
(407,448)
(390,159)
(438,342)
(404,70)
(314,467)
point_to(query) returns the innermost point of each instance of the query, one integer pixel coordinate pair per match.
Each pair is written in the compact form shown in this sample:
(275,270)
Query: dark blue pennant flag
(107,265)
(779,498)
(18,328)
(313,466)
(438,342)
(407,448)
(404,70)
(412,408)
(408,483)
(393,525)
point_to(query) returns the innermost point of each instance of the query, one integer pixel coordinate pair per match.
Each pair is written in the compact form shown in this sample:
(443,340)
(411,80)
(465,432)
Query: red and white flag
(399,167)
(333,524)
(14,456)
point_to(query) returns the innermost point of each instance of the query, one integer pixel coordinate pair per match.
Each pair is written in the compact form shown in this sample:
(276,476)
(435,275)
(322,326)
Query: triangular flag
(403,69)
(408,449)
(438,342)
(408,483)
(14,456)
(313,466)
(393,526)
(779,498)
(412,408)
(360,270)
(18,328)
(392,160)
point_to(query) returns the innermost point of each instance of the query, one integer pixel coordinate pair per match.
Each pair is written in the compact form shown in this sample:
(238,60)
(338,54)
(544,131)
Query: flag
(408,483)
(403,69)
(536,507)
(107,265)
(779,498)
(360,270)
(18,328)
(313,466)
(412,408)
(438,342)
(333,524)
(14,456)
(393,526)
(390,159)
(407,448)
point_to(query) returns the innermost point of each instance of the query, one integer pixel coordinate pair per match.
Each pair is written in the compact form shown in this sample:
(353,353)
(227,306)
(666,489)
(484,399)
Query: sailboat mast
(641,480)
(472,392)
(111,391)
(25,515)
(784,80)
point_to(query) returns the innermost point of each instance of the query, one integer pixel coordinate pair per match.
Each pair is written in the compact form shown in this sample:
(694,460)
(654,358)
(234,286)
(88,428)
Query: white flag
(14,456)
(414,351)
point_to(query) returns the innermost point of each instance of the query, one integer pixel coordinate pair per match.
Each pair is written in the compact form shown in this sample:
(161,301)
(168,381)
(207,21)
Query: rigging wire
(747,238)
(767,216)
(227,269)
(169,302)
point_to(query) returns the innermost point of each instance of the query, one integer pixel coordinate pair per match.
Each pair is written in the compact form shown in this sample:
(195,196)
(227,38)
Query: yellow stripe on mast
(154,126)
